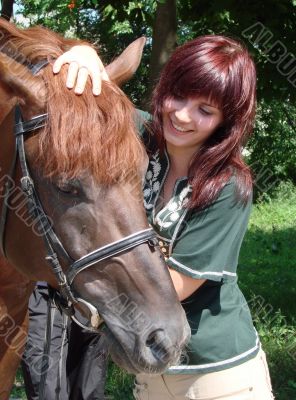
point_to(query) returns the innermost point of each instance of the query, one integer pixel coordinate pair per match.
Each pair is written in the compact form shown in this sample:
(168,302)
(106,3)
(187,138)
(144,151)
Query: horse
(71,171)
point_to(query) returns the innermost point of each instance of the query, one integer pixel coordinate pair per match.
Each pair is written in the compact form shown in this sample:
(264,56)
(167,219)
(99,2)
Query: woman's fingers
(59,62)
(81,80)
(83,62)
(98,74)
(72,75)
(96,83)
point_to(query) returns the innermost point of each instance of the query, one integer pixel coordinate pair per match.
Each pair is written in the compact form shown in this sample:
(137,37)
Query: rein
(54,246)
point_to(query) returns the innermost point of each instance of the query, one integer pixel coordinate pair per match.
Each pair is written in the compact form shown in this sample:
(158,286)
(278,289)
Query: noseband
(53,245)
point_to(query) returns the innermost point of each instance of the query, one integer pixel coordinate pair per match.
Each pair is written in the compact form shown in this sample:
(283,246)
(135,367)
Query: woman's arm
(184,285)
(83,61)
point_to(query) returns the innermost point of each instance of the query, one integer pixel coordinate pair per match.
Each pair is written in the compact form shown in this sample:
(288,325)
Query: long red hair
(221,69)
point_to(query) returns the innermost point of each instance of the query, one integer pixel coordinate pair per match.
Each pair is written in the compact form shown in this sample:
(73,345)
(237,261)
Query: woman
(198,194)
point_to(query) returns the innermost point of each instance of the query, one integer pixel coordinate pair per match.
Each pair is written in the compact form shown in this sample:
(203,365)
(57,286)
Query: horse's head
(87,165)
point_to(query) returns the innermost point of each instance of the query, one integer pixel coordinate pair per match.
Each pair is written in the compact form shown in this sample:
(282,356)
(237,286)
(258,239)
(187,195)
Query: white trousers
(248,381)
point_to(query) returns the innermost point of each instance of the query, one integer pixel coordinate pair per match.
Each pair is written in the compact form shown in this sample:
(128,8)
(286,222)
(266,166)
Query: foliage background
(267,261)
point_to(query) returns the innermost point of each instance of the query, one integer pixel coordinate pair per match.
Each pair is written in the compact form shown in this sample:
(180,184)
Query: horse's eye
(71,187)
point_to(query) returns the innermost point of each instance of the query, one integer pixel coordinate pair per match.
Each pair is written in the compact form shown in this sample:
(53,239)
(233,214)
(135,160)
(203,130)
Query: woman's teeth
(179,128)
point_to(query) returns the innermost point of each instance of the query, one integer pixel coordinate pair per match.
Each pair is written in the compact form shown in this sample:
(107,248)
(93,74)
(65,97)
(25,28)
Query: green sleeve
(142,117)
(142,120)
(209,245)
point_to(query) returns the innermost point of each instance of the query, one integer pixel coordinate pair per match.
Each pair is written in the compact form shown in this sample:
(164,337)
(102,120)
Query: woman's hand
(83,61)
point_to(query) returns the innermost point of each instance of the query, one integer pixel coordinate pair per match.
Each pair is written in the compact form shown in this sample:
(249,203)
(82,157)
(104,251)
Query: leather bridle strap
(29,126)
(33,124)
(27,184)
(111,250)
(8,186)
(36,210)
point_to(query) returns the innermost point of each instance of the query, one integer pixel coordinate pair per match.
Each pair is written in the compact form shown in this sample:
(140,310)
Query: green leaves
(273,145)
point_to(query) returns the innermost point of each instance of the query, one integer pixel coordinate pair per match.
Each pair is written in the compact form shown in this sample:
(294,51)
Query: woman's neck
(180,159)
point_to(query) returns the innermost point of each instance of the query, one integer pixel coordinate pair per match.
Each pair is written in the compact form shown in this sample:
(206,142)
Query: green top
(203,245)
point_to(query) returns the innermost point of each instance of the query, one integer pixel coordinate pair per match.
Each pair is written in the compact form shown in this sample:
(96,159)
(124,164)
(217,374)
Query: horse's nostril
(159,345)
(151,339)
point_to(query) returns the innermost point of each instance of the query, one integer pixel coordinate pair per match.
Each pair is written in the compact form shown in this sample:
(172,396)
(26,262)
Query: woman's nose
(183,114)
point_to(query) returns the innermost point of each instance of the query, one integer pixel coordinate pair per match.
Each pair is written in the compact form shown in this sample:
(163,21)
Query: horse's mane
(83,132)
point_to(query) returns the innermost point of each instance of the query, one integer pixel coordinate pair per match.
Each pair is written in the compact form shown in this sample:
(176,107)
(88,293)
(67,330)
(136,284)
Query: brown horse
(87,165)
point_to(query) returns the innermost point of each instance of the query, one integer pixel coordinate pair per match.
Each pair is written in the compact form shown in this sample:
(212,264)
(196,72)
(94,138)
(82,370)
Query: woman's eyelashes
(205,111)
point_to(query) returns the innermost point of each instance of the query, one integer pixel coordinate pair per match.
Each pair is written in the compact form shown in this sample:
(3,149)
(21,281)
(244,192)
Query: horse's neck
(7,102)
(15,290)
(7,141)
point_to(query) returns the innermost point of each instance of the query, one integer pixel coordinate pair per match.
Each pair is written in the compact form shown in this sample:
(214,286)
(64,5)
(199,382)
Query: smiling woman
(198,195)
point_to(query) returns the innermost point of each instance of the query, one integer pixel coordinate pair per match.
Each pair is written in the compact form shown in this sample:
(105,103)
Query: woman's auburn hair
(222,70)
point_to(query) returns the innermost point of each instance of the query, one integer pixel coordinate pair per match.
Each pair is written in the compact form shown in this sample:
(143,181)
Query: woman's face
(189,121)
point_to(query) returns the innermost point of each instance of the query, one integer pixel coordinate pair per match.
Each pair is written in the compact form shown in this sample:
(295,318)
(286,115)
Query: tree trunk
(164,41)
(7,9)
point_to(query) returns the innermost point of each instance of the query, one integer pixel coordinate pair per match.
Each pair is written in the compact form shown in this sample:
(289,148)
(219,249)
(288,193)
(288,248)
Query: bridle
(54,246)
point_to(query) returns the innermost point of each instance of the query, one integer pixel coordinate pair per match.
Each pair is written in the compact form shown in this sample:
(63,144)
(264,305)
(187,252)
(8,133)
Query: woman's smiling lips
(177,128)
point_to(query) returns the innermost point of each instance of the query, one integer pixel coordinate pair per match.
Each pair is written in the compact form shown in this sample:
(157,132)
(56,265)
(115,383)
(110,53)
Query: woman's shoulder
(232,200)
(237,191)
(143,124)
(142,119)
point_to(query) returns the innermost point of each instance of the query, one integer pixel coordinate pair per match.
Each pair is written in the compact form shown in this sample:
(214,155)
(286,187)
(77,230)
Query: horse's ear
(124,67)
(17,80)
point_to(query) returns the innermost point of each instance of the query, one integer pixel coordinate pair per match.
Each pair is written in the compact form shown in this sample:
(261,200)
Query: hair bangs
(205,82)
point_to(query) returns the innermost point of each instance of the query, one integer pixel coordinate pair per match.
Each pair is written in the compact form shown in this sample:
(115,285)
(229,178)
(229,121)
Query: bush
(271,151)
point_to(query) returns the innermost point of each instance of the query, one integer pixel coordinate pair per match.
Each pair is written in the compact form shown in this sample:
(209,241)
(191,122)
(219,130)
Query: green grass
(267,267)
(268,256)
(279,342)
(18,391)
(119,384)
(267,276)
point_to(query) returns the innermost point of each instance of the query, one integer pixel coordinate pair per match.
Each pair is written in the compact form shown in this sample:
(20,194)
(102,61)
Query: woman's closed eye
(205,111)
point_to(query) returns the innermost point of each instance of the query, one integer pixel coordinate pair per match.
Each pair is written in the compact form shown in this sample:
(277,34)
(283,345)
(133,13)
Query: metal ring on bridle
(95,320)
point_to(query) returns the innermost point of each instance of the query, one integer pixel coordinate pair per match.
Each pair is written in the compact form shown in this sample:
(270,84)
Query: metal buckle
(27,185)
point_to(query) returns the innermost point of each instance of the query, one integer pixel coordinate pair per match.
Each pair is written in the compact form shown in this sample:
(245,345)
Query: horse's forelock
(88,133)
(84,132)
